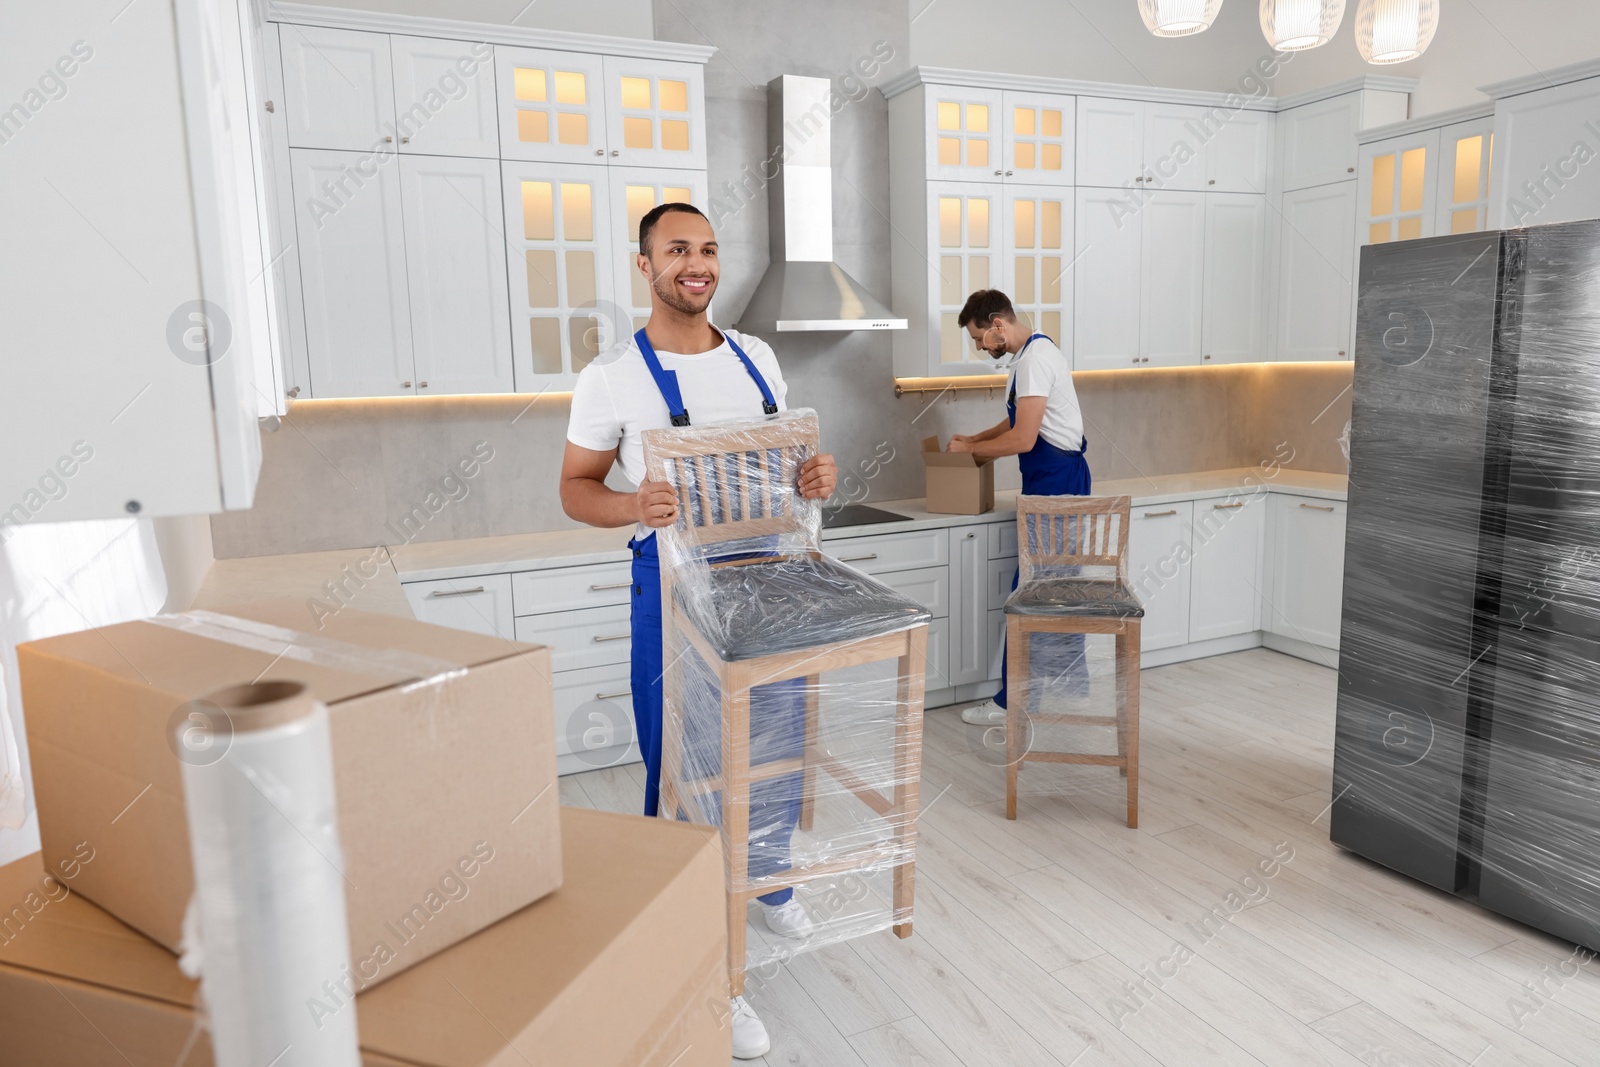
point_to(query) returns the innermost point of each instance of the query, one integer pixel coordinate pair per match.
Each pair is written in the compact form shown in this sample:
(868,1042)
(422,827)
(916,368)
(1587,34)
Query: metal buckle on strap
(681,420)
(768,409)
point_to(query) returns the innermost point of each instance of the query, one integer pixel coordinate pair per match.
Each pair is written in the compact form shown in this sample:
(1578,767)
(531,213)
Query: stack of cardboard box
(467,944)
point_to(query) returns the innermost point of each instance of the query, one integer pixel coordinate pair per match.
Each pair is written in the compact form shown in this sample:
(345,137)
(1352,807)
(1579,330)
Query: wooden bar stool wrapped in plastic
(1072,555)
(749,602)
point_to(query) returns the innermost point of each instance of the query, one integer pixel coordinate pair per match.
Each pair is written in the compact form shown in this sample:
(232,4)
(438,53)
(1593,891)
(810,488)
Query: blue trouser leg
(777,730)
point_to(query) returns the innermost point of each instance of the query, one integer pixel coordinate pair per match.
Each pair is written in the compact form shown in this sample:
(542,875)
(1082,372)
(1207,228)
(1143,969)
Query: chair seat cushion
(762,609)
(1107,597)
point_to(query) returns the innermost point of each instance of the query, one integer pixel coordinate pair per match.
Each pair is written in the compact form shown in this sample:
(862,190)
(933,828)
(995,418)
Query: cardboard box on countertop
(624,966)
(959,483)
(443,750)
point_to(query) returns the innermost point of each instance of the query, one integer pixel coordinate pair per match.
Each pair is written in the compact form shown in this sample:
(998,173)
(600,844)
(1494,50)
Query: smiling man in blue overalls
(677,365)
(1043,429)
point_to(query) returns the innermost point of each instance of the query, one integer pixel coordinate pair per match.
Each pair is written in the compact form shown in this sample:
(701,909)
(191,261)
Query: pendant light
(1295,25)
(1393,31)
(1178,18)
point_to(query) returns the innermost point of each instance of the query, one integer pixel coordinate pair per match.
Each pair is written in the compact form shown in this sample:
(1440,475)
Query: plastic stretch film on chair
(1468,741)
(792,713)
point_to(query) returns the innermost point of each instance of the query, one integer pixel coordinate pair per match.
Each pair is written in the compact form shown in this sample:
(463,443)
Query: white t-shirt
(1041,370)
(616,399)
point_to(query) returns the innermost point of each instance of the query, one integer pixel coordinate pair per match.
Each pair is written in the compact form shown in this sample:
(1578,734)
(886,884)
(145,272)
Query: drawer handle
(1225,507)
(613,585)
(440,593)
(1317,507)
(614,696)
(612,637)
(1160,514)
(857,559)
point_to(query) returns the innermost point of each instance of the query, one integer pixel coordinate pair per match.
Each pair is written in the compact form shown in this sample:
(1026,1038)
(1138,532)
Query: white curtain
(58,578)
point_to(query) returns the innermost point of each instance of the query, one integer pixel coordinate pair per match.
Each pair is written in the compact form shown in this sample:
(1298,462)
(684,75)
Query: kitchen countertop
(363,578)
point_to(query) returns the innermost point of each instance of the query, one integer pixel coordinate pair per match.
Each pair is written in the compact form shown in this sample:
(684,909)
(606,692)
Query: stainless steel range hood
(804,289)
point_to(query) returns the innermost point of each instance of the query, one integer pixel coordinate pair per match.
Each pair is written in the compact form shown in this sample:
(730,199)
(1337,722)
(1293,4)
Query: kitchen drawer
(1001,571)
(928,586)
(566,588)
(1002,539)
(482,604)
(594,711)
(577,639)
(891,552)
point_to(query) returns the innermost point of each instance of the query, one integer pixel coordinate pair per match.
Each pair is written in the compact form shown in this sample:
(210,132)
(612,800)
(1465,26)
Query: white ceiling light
(1178,18)
(1393,31)
(1295,25)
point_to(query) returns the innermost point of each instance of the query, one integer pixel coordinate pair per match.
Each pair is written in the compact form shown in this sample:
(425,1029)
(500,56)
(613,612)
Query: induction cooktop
(856,515)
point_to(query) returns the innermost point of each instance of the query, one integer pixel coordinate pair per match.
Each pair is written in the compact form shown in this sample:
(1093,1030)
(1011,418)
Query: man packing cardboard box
(443,750)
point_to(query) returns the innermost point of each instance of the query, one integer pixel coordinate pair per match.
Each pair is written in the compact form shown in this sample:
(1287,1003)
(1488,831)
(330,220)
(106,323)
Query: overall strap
(666,380)
(769,406)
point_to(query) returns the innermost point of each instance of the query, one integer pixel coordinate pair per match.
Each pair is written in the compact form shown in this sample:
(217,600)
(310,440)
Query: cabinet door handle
(1225,507)
(616,151)
(422,385)
(271,108)
(599,151)
(1160,514)
(857,559)
(1212,181)
(1349,170)
(1316,507)
(388,140)
(614,696)
(439,594)
(970,536)
(405,385)
(613,585)
(598,638)
(997,174)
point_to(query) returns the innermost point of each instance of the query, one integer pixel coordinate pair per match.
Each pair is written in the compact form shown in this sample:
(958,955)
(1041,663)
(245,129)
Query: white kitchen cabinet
(1175,150)
(1235,302)
(962,127)
(1111,142)
(552,105)
(456,270)
(481,604)
(997,641)
(969,605)
(283,246)
(1225,579)
(444,98)
(1037,223)
(655,113)
(1159,554)
(1319,141)
(1239,154)
(634,191)
(937,677)
(1397,188)
(1307,569)
(353,276)
(558,257)
(1106,280)
(1316,272)
(1466,154)
(1544,169)
(1172,279)
(594,718)
(1040,138)
(964,235)
(338,88)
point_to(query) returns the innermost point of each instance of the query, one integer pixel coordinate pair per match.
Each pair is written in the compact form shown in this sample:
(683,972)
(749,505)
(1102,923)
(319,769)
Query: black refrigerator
(1467,752)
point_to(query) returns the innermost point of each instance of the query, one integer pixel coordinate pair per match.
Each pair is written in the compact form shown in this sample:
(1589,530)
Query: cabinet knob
(1008,172)
(405,140)
(599,151)
(422,385)
(405,385)
(1206,356)
(1341,352)
(616,152)
(271,108)
(998,173)
(970,536)
(1349,170)
(1146,359)
(1211,181)
(388,140)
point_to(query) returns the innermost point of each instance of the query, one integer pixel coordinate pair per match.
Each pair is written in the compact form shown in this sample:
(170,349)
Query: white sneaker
(749,1035)
(788,919)
(986,714)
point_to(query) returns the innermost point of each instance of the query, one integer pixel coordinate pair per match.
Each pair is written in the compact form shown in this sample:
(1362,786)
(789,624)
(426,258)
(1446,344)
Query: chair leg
(1016,705)
(913,667)
(1122,700)
(808,777)
(736,815)
(1130,713)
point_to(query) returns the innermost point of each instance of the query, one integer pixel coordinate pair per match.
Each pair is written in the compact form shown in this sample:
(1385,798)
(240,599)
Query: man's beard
(667,290)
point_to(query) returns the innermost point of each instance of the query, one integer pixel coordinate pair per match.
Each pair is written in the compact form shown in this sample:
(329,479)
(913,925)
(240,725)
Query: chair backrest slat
(1081,531)
(734,481)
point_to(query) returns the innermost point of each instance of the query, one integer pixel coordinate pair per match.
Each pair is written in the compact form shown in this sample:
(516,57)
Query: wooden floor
(1065,938)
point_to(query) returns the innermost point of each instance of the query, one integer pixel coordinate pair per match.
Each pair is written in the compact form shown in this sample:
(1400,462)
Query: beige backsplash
(351,474)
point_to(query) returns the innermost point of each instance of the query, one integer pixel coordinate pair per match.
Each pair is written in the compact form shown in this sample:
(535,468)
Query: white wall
(618,18)
(1477,43)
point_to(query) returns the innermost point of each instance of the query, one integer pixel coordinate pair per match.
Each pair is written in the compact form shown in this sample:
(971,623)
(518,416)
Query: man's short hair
(983,306)
(653,216)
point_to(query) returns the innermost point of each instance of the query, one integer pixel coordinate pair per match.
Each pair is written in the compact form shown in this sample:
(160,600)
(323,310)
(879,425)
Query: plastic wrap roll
(268,884)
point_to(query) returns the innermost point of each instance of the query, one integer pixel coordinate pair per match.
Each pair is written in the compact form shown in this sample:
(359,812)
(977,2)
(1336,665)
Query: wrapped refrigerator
(1468,740)
(792,693)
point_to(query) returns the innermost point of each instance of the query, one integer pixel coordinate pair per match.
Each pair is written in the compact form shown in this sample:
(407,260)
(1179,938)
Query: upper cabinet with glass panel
(552,106)
(1396,194)
(655,113)
(989,135)
(1466,159)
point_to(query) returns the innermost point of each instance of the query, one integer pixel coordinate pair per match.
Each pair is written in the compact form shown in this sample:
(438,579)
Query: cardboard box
(959,483)
(625,966)
(446,792)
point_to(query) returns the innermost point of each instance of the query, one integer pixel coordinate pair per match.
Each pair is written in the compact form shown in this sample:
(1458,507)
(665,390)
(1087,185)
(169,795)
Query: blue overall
(777,711)
(1049,471)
